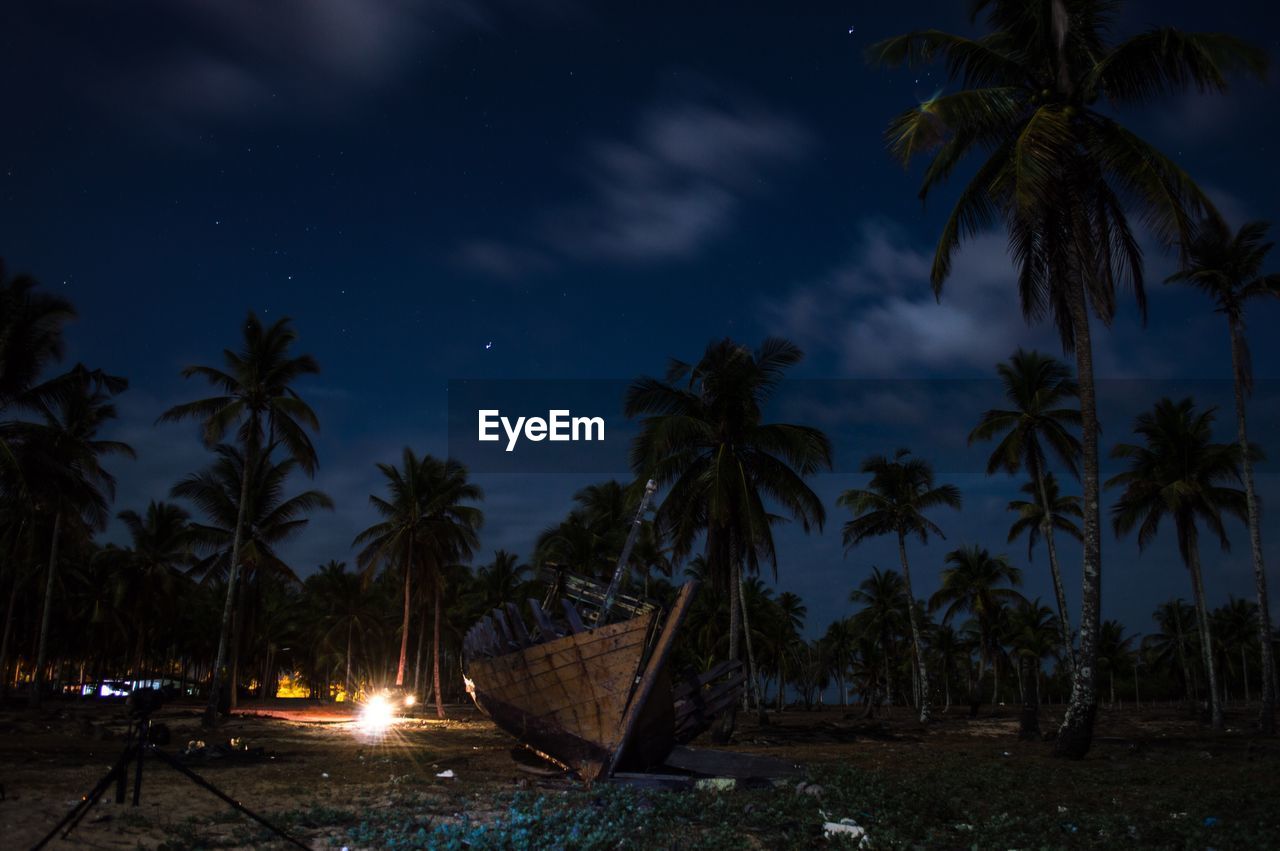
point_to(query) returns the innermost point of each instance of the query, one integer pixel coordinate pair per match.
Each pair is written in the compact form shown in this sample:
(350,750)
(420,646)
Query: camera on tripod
(141,702)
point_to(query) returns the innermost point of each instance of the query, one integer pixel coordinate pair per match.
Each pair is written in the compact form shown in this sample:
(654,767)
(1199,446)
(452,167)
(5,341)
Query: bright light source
(410,700)
(377,714)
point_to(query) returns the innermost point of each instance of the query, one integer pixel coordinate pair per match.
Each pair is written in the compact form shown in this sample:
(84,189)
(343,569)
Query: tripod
(138,744)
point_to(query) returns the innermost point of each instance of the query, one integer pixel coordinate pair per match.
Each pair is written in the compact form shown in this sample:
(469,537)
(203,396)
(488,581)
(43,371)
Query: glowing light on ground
(376,715)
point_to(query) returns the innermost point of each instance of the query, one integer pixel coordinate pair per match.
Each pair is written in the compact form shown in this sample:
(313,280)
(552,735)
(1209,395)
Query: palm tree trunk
(751,653)
(210,718)
(1206,641)
(346,682)
(1267,712)
(1188,685)
(435,655)
(404,629)
(1029,723)
(1046,529)
(1244,668)
(1076,733)
(724,729)
(420,654)
(917,644)
(8,634)
(42,646)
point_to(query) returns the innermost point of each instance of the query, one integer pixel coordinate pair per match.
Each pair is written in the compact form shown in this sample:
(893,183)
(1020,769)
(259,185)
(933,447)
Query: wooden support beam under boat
(657,661)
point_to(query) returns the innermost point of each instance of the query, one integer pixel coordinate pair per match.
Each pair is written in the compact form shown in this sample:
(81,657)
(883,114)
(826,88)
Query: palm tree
(1169,644)
(972,584)
(345,611)
(258,400)
(503,580)
(1115,651)
(426,526)
(884,615)
(1040,390)
(67,479)
(703,438)
(148,571)
(893,503)
(1227,267)
(1060,175)
(788,622)
(1032,634)
(1179,473)
(247,516)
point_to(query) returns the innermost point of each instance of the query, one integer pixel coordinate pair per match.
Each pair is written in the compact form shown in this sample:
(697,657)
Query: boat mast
(616,583)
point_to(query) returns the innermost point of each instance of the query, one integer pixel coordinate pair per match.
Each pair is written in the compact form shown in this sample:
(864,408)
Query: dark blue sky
(591,188)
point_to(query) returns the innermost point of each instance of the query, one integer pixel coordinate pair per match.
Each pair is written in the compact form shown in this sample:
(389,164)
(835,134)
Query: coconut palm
(62,456)
(901,490)
(1115,651)
(503,580)
(148,571)
(704,439)
(787,623)
(1040,92)
(256,398)
(1170,644)
(345,612)
(426,525)
(1180,473)
(1032,635)
(247,516)
(1227,267)
(1233,631)
(1041,393)
(973,583)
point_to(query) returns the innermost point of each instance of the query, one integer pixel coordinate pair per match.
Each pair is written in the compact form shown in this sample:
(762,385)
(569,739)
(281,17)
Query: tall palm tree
(1032,634)
(345,611)
(147,572)
(1170,644)
(1115,651)
(247,516)
(1041,391)
(704,439)
(788,622)
(974,583)
(1227,267)
(1060,174)
(67,480)
(426,525)
(258,401)
(503,580)
(30,339)
(884,615)
(901,490)
(1180,473)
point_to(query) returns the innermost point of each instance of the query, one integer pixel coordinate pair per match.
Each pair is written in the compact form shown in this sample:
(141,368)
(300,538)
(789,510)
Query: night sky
(592,189)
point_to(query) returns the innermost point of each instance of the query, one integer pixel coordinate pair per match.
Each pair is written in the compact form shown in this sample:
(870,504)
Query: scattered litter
(1211,821)
(325,775)
(846,827)
(716,784)
(1069,827)
(1061,808)
(1176,816)
(447,774)
(1005,753)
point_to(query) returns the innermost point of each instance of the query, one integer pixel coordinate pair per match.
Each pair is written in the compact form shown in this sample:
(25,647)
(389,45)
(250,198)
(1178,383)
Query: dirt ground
(316,759)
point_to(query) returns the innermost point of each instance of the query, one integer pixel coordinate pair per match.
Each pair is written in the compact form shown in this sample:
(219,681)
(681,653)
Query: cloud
(172,65)
(876,314)
(664,192)
(886,319)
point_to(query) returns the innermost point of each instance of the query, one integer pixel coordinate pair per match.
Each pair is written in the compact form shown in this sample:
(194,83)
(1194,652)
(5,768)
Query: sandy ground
(318,757)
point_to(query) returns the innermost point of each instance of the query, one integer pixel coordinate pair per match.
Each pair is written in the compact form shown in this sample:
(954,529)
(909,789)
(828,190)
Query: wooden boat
(593,698)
